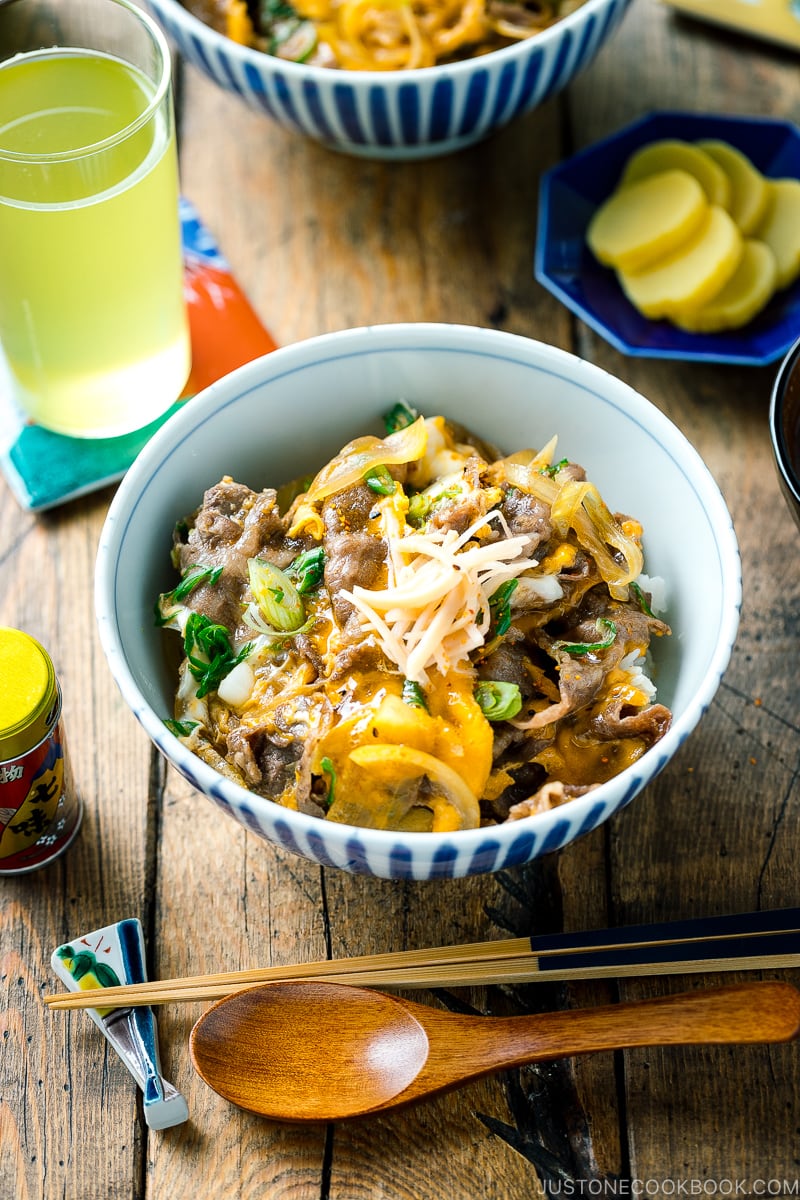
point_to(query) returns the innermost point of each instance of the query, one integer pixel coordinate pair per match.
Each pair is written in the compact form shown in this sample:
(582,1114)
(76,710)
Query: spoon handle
(749,1012)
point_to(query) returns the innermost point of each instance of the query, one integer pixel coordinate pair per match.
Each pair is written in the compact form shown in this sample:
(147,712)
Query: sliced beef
(233,525)
(306,646)
(512,745)
(633,624)
(573,471)
(581,676)
(360,656)
(267,766)
(550,795)
(458,514)
(353,555)
(527,515)
(509,663)
(579,681)
(616,722)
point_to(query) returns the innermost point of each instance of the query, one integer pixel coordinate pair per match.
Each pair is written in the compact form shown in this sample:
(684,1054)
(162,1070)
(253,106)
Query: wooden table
(321,242)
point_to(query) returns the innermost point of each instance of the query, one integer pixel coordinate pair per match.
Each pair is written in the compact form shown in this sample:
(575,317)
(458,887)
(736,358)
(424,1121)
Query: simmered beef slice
(631,622)
(267,766)
(527,515)
(509,663)
(464,509)
(353,555)
(210,13)
(458,514)
(581,676)
(232,525)
(649,724)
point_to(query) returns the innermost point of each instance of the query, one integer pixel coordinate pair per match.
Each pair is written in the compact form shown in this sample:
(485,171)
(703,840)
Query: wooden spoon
(312,1051)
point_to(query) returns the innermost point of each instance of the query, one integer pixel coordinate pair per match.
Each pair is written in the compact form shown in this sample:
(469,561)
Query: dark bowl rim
(777,412)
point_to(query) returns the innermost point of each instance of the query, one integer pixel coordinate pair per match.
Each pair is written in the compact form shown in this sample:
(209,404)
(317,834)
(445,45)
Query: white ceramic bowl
(284,414)
(398,114)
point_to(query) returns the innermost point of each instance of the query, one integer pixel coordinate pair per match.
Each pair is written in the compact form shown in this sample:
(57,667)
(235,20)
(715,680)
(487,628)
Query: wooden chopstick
(748,941)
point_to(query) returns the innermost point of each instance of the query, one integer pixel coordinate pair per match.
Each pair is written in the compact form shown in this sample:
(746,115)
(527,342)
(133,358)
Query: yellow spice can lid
(28,693)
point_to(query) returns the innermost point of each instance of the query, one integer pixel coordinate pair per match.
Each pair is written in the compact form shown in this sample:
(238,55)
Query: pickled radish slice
(673,154)
(691,275)
(749,188)
(639,224)
(780,228)
(743,296)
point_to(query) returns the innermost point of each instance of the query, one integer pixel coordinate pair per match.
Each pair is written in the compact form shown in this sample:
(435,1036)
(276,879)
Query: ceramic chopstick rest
(108,957)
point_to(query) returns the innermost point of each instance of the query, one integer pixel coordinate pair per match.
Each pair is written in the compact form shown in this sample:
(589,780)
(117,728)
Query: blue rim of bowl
(657,339)
(367,340)
(248,54)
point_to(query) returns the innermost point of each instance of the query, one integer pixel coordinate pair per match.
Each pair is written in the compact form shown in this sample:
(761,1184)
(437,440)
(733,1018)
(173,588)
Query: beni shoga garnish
(425,635)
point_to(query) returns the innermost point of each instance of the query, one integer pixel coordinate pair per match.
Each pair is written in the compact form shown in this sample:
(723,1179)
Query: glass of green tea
(93,326)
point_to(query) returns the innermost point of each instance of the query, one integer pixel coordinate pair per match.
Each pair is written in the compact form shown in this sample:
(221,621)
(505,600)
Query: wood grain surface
(319,242)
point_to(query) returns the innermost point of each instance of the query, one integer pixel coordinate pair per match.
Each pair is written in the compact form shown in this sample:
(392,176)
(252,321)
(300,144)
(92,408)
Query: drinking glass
(93,325)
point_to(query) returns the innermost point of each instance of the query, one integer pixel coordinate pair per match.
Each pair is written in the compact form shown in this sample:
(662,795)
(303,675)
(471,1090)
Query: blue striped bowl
(307,400)
(398,114)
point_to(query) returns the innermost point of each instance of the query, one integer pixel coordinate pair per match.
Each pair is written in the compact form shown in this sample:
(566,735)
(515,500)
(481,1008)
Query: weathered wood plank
(716,831)
(68,1106)
(320,242)
(453,241)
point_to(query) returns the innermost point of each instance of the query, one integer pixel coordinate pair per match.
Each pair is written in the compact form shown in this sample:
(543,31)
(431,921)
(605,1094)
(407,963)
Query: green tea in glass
(93,326)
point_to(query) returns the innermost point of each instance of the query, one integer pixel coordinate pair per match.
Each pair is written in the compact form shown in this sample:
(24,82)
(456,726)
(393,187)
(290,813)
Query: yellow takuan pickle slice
(743,296)
(691,275)
(780,228)
(749,188)
(640,224)
(671,154)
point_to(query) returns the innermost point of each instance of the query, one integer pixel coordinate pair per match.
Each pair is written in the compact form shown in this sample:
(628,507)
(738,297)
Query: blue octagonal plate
(569,195)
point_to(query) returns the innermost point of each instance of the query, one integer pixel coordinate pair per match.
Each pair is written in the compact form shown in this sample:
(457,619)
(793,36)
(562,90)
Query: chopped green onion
(277,639)
(500,604)
(498,701)
(642,599)
(588,647)
(398,417)
(554,468)
(293,39)
(413,694)
(192,577)
(209,651)
(307,569)
(328,769)
(422,504)
(276,596)
(419,505)
(380,480)
(275,10)
(181,728)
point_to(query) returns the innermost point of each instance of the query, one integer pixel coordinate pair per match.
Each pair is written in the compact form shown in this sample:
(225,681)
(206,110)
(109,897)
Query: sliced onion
(400,764)
(276,596)
(581,507)
(357,457)
(528,477)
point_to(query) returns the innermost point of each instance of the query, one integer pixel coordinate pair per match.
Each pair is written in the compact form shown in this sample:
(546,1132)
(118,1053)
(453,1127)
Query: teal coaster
(45,468)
